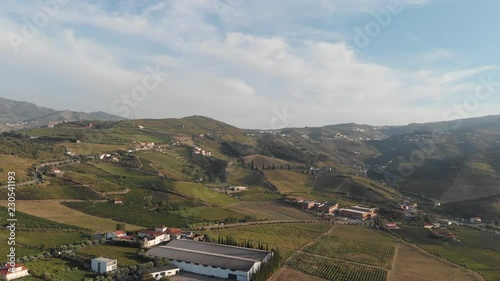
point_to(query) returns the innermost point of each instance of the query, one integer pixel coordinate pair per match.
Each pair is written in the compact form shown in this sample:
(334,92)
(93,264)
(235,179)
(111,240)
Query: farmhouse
(444,235)
(103,265)
(222,261)
(163,271)
(391,225)
(9,272)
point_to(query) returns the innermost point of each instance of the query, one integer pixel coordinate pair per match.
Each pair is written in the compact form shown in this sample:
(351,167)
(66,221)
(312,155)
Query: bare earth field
(54,211)
(413,264)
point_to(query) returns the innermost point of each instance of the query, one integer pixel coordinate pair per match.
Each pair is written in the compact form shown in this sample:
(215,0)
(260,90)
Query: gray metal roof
(230,257)
(162,268)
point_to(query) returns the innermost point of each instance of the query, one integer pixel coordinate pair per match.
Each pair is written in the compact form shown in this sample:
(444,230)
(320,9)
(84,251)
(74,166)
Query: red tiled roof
(173,231)
(119,232)
(7,267)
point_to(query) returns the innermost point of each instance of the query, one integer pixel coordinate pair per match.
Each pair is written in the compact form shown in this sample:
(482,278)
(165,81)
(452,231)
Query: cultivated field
(288,237)
(280,208)
(19,165)
(413,264)
(289,181)
(56,269)
(260,213)
(334,269)
(53,210)
(288,274)
(91,148)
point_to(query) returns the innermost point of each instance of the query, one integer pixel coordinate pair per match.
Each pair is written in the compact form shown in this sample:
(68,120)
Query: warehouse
(222,261)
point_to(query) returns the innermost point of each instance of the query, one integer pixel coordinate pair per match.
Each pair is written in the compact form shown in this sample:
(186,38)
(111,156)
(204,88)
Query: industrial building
(222,261)
(359,212)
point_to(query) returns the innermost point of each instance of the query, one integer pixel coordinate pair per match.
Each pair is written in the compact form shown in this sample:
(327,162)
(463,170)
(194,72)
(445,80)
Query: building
(359,212)
(475,220)
(116,234)
(428,225)
(445,235)
(238,188)
(103,265)
(221,261)
(391,225)
(163,271)
(174,233)
(9,272)
(445,222)
(327,208)
(306,204)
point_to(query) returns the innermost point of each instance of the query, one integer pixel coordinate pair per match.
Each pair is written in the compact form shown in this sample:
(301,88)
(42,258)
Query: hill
(16,115)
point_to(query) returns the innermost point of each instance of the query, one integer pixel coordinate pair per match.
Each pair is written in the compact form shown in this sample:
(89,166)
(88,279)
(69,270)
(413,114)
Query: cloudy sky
(256,63)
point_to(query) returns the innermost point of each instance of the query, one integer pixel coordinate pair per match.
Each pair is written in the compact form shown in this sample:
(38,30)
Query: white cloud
(436,54)
(227,72)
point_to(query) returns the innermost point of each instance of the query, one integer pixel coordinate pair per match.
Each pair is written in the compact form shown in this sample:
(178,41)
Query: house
(13,271)
(391,225)
(116,234)
(428,225)
(153,234)
(214,260)
(327,208)
(55,170)
(174,233)
(103,265)
(238,188)
(475,220)
(163,271)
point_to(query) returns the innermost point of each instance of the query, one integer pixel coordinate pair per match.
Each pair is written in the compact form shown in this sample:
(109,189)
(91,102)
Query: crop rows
(375,254)
(333,269)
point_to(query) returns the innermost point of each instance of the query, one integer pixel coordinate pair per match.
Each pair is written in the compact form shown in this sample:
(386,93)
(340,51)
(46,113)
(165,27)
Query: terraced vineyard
(333,269)
(375,254)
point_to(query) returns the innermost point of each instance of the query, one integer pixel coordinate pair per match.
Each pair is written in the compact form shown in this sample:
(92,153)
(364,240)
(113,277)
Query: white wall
(210,271)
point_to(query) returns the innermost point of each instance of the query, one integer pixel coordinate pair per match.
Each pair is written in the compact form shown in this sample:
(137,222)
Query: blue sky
(251,63)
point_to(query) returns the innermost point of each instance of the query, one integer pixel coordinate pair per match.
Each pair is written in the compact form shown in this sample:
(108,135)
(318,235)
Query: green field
(477,250)
(98,183)
(290,181)
(56,269)
(288,238)
(203,193)
(379,255)
(131,213)
(56,189)
(208,214)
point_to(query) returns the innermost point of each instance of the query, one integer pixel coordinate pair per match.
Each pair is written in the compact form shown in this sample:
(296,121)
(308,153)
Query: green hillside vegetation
(55,189)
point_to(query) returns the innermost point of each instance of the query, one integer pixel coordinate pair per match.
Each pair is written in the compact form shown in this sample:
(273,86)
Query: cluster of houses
(199,151)
(144,146)
(154,236)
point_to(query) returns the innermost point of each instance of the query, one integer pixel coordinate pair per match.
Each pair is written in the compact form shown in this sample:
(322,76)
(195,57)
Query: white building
(238,188)
(10,272)
(162,271)
(221,261)
(103,265)
(475,220)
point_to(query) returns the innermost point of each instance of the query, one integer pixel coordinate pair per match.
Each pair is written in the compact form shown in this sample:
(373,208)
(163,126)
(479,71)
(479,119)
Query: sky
(256,64)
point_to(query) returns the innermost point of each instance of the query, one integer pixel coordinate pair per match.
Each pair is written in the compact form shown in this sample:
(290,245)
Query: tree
(120,226)
(252,165)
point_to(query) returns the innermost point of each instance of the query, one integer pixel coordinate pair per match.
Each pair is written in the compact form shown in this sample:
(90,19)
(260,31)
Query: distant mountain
(18,115)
